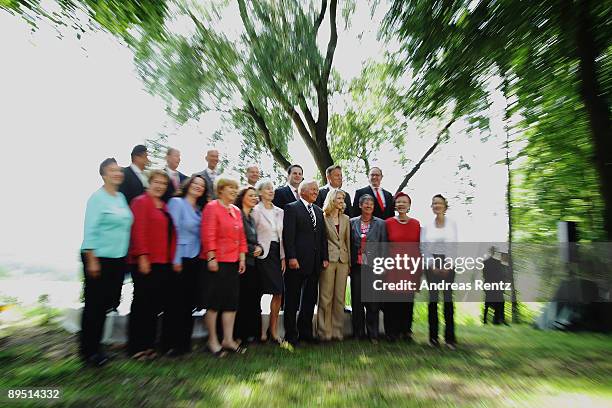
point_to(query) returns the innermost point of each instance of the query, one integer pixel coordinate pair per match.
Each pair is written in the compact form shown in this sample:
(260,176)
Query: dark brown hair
(182,191)
(241,194)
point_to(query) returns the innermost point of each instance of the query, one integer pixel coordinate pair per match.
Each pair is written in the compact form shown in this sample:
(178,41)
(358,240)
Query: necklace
(402,221)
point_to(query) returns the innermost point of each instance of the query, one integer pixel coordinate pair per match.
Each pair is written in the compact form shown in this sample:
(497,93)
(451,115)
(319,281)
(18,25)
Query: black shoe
(96,360)
(311,340)
(451,345)
(434,343)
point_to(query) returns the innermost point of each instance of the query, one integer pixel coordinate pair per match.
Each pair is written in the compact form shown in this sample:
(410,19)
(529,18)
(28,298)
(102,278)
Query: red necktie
(379,199)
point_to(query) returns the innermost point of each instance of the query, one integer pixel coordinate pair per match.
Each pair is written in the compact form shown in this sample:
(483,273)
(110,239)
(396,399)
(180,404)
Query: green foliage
(371,119)
(117,16)
(266,77)
(451,50)
(157,149)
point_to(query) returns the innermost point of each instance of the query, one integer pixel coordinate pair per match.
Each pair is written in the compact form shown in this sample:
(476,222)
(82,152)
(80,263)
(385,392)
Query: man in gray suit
(210,174)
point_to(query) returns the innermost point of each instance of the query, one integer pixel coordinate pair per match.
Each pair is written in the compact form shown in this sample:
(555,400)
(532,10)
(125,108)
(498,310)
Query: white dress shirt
(382,195)
(295,192)
(306,203)
(141,175)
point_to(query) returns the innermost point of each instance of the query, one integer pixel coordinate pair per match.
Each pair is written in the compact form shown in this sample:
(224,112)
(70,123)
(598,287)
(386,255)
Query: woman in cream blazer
(271,263)
(332,283)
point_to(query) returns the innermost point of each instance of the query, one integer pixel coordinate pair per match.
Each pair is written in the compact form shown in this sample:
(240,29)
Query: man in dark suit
(493,272)
(334,180)
(288,193)
(305,244)
(173,159)
(135,181)
(384,205)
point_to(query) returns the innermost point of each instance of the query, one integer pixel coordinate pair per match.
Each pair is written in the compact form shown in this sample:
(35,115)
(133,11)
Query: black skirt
(270,271)
(222,288)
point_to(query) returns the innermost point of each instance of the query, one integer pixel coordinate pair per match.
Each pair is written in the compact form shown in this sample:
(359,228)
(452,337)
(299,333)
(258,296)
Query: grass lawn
(494,366)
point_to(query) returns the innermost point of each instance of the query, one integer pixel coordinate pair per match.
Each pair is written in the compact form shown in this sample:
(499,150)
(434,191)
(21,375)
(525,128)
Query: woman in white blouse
(438,243)
(271,263)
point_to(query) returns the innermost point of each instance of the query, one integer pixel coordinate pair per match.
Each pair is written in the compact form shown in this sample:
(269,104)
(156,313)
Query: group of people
(205,242)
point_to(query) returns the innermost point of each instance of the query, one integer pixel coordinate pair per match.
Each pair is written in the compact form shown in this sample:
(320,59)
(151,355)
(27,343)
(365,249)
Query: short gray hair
(365,198)
(263,183)
(305,183)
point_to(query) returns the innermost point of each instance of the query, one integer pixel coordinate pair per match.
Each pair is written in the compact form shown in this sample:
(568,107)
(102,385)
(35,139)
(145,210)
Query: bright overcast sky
(67,104)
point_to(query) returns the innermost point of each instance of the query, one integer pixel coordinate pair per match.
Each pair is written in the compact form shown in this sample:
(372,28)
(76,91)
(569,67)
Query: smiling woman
(152,251)
(65,104)
(107,233)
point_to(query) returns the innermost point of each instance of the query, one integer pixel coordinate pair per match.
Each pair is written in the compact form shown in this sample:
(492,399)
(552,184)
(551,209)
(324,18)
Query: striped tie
(312,216)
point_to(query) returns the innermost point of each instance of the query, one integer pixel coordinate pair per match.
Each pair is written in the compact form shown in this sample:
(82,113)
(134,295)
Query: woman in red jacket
(403,233)
(152,247)
(224,249)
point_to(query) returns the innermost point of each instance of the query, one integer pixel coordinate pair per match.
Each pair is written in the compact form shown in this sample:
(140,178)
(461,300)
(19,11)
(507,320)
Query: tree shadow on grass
(491,366)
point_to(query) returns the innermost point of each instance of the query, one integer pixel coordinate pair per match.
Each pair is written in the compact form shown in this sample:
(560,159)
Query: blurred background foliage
(273,78)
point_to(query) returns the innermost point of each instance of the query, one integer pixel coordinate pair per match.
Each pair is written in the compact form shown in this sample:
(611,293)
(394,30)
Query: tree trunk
(508,162)
(323,157)
(596,104)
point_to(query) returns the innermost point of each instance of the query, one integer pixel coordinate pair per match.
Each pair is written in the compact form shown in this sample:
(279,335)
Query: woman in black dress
(248,317)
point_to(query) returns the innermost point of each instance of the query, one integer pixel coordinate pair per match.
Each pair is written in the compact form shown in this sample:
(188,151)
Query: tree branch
(304,107)
(276,90)
(425,156)
(321,16)
(331,45)
(245,20)
(263,127)
(321,88)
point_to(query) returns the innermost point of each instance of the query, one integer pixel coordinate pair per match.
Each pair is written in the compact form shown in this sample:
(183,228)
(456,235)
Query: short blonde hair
(158,173)
(223,182)
(328,206)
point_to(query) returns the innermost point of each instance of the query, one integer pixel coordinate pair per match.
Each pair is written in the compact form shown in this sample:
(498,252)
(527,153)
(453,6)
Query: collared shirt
(329,187)
(108,220)
(211,173)
(306,203)
(141,175)
(380,191)
(295,192)
(174,177)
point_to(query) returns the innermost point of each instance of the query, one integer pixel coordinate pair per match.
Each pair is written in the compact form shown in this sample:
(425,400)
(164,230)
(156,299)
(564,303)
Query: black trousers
(369,320)
(150,292)
(301,293)
(498,312)
(449,308)
(398,317)
(182,299)
(248,317)
(100,296)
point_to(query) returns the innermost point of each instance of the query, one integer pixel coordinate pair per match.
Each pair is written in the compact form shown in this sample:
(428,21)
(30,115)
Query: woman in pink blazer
(271,263)
(224,248)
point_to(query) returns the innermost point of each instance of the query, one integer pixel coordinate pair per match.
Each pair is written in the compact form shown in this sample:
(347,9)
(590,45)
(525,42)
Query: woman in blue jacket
(187,268)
